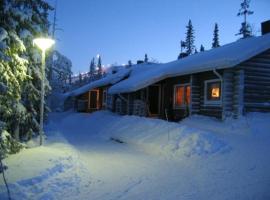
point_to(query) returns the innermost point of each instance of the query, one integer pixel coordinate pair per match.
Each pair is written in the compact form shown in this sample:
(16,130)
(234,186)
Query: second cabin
(92,100)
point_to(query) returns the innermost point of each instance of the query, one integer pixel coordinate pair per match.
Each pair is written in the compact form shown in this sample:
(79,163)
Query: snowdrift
(154,136)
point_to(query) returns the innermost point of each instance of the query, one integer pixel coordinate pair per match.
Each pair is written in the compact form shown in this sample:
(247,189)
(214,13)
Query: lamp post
(43,44)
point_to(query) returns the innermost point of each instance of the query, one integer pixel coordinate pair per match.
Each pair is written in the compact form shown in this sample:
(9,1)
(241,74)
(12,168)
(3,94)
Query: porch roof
(226,56)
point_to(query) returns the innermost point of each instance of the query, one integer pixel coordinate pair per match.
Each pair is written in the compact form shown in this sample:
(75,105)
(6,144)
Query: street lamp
(43,44)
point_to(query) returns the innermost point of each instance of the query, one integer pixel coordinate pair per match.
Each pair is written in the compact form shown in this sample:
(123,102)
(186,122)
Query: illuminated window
(212,91)
(181,95)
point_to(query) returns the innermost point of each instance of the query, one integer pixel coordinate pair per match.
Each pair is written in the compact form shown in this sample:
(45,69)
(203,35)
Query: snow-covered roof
(109,79)
(226,56)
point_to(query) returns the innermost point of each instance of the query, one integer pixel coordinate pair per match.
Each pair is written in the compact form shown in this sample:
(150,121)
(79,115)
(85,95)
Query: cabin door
(93,99)
(154,99)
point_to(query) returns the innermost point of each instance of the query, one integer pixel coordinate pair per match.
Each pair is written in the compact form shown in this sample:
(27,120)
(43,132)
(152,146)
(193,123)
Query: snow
(109,79)
(198,158)
(25,34)
(3,34)
(4,135)
(226,56)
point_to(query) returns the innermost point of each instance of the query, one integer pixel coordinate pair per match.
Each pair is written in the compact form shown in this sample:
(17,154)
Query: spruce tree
(13,68)
(37,25)
(92,69)
(129,63)
(202,48)
(80,78)
(190,39)
(215,43)
(145,58)
(99,66)
(20,64)
(245,29)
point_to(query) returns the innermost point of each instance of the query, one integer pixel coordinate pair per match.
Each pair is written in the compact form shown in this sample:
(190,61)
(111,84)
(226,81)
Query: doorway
(154,100)
(93,99)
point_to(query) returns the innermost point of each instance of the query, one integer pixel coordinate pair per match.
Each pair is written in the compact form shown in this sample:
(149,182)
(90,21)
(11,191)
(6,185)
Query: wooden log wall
(257,83)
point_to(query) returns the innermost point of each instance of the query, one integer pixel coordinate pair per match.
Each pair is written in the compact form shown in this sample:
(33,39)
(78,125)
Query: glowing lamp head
(44,43)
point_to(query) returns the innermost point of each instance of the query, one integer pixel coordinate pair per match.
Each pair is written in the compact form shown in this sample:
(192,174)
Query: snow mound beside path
(153,135)
(169,139)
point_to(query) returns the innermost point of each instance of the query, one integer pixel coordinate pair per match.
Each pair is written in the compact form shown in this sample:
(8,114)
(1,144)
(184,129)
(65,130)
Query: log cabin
(228,81)
(93,96)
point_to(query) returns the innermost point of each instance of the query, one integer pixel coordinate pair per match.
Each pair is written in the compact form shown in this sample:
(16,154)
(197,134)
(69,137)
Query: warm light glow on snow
(44,43)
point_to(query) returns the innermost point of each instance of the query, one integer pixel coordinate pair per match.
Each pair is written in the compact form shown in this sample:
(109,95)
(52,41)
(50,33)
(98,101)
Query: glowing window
(213,91)
(181,95)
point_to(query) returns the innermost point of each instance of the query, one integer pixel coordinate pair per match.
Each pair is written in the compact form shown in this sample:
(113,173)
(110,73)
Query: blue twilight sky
(122,30)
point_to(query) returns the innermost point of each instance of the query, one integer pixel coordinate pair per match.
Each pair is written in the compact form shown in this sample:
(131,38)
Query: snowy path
(79,161)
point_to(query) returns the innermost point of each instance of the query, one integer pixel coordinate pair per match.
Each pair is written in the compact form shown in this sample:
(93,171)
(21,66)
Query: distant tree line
(188,47)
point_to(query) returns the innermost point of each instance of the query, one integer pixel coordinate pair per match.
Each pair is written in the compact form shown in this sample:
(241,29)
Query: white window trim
(212,102)
(174,93)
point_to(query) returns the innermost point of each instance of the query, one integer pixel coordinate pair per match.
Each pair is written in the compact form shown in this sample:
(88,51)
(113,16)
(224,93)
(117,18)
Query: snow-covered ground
(199,158)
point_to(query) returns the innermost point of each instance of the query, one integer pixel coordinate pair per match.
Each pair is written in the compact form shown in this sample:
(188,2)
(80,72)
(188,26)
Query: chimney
(265,27)
(140,62)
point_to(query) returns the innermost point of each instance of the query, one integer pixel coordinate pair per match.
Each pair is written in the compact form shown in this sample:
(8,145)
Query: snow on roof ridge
(107,80)
(226,56)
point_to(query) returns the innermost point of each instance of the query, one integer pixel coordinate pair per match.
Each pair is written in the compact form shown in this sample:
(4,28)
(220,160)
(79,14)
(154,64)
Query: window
(181,95)
(212,89)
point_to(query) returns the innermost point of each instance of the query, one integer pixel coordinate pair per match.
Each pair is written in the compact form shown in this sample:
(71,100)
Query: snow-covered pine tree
(215,43)
(13,68)
(60,71)
(35,25)
(202,48)
(245,29)
(20,22)
(99,66)
(190,38)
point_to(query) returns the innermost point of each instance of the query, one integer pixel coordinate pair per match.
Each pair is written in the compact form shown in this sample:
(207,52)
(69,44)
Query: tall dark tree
(190,38)
(92,68)
(245,29)
(215,43)
(202,48)
(99,66)
(145,58)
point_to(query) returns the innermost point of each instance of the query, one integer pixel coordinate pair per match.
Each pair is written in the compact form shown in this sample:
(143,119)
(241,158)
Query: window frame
(184,105)
(212,102)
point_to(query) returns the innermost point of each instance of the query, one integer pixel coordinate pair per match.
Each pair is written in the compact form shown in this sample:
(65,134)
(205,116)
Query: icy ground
(199,158)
